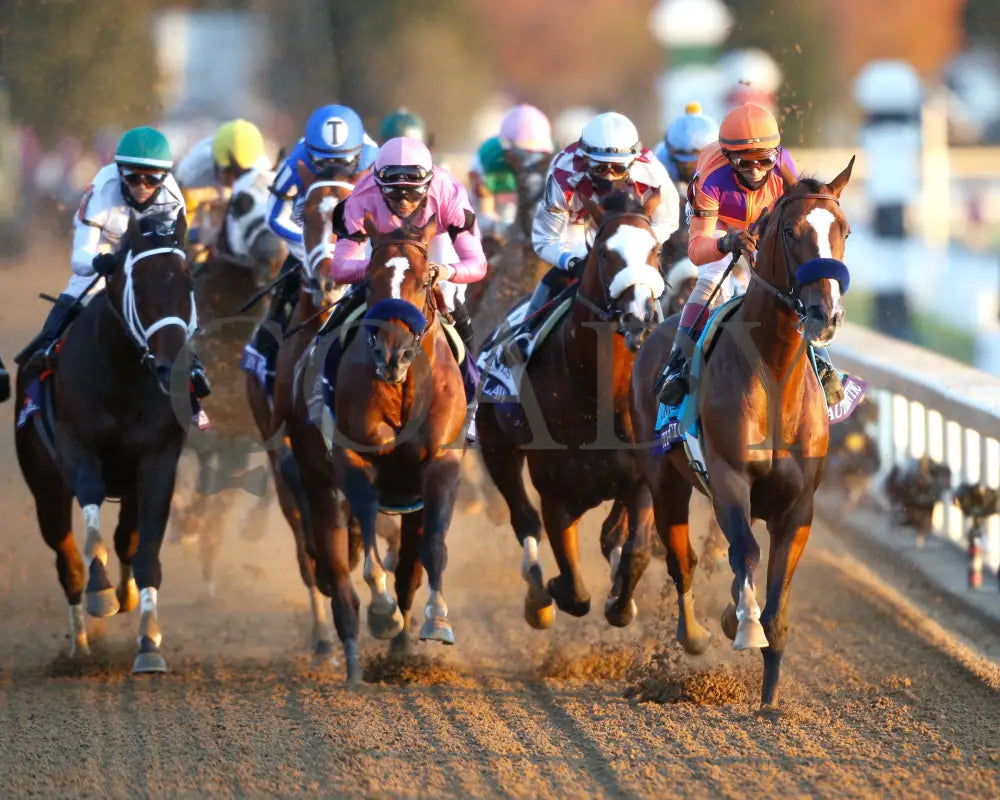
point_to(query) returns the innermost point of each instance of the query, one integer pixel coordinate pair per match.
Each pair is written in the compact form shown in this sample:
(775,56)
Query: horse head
(323,193)
(153,294)
(400,296)
(803,241)
(622,266)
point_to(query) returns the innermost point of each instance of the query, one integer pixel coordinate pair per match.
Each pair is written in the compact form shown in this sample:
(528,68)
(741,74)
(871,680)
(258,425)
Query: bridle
(429,311)
(606,311)
(790,297)
(129,314)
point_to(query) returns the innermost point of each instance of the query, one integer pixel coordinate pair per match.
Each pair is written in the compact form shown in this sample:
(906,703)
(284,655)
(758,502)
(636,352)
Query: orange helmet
(749,127)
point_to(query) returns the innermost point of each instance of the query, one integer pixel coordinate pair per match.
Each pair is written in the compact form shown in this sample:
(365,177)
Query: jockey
(685,138)
(524,142)
(402,122)
(608,156)
(139,184)
(406,188)
(737,177)
(208,172)
(335,147)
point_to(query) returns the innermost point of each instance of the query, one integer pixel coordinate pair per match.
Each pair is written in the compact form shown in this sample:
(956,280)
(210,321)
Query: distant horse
(118,433)
(763,417)
(581,381)
(399,413)
(305,484)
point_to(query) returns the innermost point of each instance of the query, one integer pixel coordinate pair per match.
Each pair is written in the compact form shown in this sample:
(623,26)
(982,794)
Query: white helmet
(611,137)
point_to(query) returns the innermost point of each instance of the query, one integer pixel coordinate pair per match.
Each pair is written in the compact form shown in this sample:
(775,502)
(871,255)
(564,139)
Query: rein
(129,315)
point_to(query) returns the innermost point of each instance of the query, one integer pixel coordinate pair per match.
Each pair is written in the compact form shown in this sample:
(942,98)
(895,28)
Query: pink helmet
(527,128)
(403,162)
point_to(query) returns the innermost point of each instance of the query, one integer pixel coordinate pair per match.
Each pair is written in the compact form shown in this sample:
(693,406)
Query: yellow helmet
(237,143)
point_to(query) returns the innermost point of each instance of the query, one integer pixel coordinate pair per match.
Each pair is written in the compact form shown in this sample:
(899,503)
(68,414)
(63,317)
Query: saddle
(501,375)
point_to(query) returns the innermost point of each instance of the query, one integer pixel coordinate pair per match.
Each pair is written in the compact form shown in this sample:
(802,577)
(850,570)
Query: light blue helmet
(334,132)
(689,134)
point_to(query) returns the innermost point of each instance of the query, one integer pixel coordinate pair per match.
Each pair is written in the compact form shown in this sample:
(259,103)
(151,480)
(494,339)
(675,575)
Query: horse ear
(837,184)
(787,176)
(429,231)
(649,207)
(594,209)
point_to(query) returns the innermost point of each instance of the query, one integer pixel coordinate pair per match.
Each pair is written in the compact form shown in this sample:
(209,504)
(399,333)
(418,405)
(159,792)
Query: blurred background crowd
(912,86)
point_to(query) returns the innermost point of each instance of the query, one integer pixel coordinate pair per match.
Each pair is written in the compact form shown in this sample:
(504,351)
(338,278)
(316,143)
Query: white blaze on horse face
(634,245)
(822,221)
(400,264)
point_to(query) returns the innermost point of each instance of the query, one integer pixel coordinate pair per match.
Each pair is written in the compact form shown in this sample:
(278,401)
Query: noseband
(807,272)
(417,320)
(129,315)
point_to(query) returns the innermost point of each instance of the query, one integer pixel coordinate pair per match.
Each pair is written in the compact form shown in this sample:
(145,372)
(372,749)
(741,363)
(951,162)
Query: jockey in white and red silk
(608,156)
(405,188)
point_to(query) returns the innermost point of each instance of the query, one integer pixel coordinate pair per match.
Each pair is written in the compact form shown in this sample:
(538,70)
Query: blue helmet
(334,132)
(689,134)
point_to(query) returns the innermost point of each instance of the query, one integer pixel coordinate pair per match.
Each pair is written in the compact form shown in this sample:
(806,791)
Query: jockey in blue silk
(138,184)
(335,147)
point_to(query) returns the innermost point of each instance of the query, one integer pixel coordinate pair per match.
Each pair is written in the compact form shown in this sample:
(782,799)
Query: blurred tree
(798,37)
(72,67)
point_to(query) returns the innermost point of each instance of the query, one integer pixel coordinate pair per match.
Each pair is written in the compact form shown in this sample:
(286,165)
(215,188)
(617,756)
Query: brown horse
(295,447)
(399,413)
(764,420)
(578,383)
(120,400)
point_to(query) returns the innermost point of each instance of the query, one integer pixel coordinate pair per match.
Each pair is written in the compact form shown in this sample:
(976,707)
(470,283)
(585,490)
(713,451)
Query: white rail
(929,404)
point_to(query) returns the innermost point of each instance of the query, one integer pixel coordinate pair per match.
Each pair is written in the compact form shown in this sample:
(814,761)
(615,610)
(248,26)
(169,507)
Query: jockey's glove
(443,272)
(105,263)
(575,266)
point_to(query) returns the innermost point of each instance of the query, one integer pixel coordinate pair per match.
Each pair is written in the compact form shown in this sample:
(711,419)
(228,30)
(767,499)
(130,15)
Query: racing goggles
(405,175)
(148,179)
(607,169)
(766,161)
(343,164)
(411,193)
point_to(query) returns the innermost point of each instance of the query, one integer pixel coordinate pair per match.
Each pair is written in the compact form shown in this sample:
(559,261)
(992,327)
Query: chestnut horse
(295,446)
(764,420)
(577,381)
(399,414)
(121,407)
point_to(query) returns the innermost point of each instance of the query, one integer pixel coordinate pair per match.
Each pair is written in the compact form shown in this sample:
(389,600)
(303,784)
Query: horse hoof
(353,662)
(80,648)
(103,603)
(566,600)
(620,618)
(128,598)
(695,641)
(539,610)
(385,626)
(437,629)
(323,654)
(401,646)
(729,622)
(749,636)
(149,659)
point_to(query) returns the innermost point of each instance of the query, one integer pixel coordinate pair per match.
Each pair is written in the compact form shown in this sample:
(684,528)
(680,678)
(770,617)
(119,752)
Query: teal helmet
(402,122)
(144,148)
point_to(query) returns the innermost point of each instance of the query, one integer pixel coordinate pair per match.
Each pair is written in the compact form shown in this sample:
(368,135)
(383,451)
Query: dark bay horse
(764,420)
(398,442)
(121,402)
(579,381)
(305,483)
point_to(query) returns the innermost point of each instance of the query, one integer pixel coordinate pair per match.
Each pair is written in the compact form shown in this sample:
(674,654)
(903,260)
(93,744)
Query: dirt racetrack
(882,693)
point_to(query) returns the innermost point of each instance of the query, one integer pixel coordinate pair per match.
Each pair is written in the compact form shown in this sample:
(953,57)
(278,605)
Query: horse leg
(741,619)
(155,486)
(789,534)
(628,562)
(672,510)
(102,600)
(440,486)
(55,519)
(333,573)
(126,541)
(407,573)
(505,465)
(384,617)
(614,534)
(567,587)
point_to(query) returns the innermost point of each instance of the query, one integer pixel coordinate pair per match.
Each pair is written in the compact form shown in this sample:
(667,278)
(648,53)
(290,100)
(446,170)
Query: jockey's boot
(522,342)
(32,357)
(286,295)
(200,386)
(470,372)
(4,383)
(830,378)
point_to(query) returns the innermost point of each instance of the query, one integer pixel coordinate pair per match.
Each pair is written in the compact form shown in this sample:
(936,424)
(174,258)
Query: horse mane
(621,201)
(808,185)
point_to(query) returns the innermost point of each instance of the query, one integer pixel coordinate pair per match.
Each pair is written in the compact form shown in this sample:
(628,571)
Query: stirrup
(675,385)
(200,387)
(833,387)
